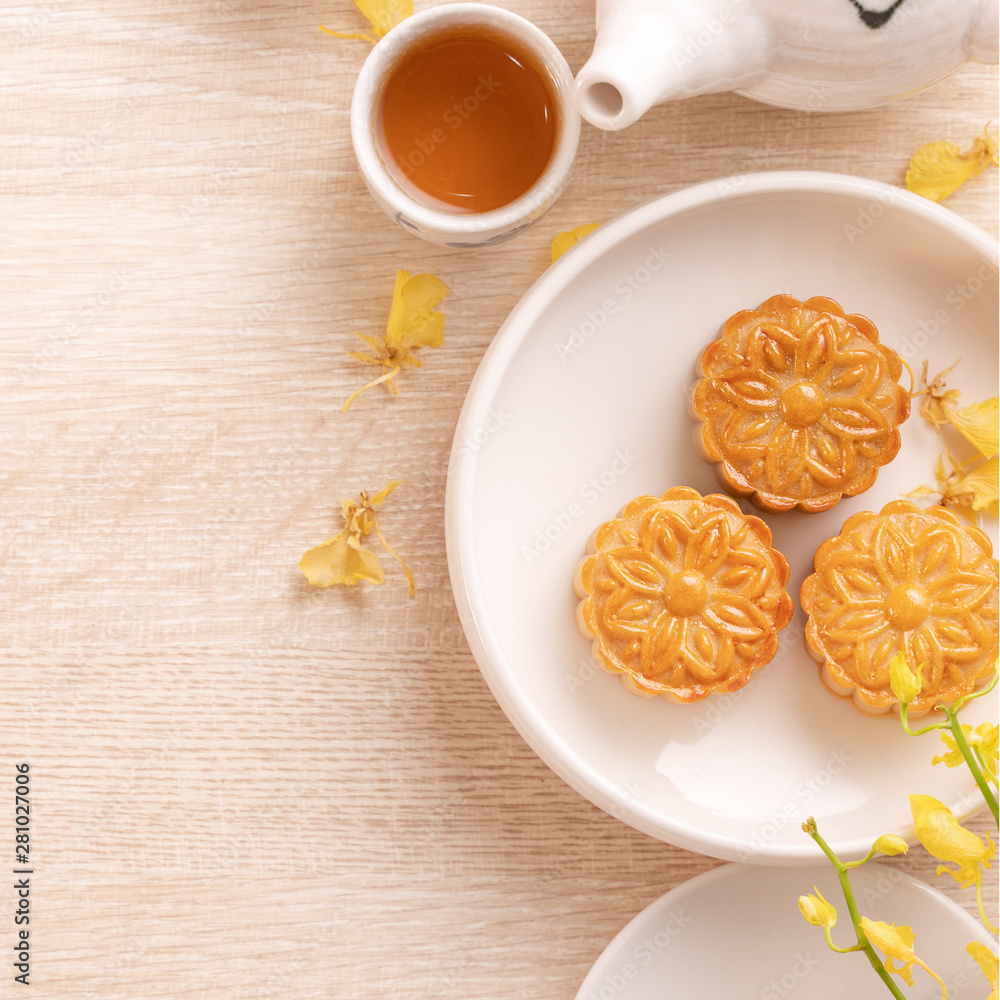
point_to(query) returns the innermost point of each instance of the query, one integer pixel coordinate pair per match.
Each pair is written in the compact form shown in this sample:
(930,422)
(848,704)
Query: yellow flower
(382,15)
(940,832)
(984,737)
(563,241)
(966,492)
(986,961)
(976,490)
(953,758)
(939,397)
(818,911)
(414,322)
(978,425)
(939,168)
(343,559)
(897,943)
(904,682)
(890,844)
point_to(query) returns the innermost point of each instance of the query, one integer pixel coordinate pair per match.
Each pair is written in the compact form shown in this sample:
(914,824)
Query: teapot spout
(650,51)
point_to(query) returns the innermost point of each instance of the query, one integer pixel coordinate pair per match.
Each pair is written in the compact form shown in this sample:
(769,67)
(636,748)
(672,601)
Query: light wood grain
(244,788)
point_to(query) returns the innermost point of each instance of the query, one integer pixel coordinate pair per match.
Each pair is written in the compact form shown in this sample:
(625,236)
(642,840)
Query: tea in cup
(463,124)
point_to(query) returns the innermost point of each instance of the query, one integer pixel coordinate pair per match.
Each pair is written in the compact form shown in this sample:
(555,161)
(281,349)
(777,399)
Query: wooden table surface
(243,787)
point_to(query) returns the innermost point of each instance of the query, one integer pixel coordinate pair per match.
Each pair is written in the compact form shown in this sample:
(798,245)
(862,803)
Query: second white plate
(579,406)
(736,932)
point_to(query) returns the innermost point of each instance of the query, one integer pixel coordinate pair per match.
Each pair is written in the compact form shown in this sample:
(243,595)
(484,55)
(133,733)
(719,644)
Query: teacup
(413,209)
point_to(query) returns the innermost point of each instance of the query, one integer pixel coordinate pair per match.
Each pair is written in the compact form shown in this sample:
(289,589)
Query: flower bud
(889,843)
(904,682)
(817,910)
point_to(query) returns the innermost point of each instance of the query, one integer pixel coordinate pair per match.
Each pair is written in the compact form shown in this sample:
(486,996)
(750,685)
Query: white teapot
(815,55)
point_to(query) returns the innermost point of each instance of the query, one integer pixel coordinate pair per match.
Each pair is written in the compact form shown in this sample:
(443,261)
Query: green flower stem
(845,884)
(857,864)
(970,758)
(988,773)
(903,711)
(833,947)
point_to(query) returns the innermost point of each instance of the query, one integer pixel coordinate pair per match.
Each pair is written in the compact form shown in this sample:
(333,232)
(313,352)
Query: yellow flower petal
(978,424)
(940,832)
(896,942)
(380,497)
(986,961)
(817,911)
(348,34)
(967,493)
(980,489)
(939,168)
(341,560)
(904,682)
(986,738)
(983,738)
(413,321)
(953,758)
(921,491)
(382,15)
(563,241)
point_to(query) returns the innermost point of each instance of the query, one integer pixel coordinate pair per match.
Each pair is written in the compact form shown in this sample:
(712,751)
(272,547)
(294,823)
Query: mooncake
(799,404)
(908,580)
(682,595)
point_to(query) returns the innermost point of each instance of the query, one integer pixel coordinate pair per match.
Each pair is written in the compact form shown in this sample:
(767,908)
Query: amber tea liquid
(467,121)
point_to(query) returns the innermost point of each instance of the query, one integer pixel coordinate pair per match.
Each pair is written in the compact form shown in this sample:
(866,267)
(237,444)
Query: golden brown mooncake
(682,595)
(799,404)
(909,580)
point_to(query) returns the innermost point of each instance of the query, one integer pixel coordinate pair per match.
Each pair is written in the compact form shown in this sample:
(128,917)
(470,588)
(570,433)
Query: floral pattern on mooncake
(682,595)
(905,580)
(800,404)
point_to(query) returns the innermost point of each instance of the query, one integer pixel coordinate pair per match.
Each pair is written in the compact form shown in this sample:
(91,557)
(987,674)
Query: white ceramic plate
(579,406)
(736,932)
